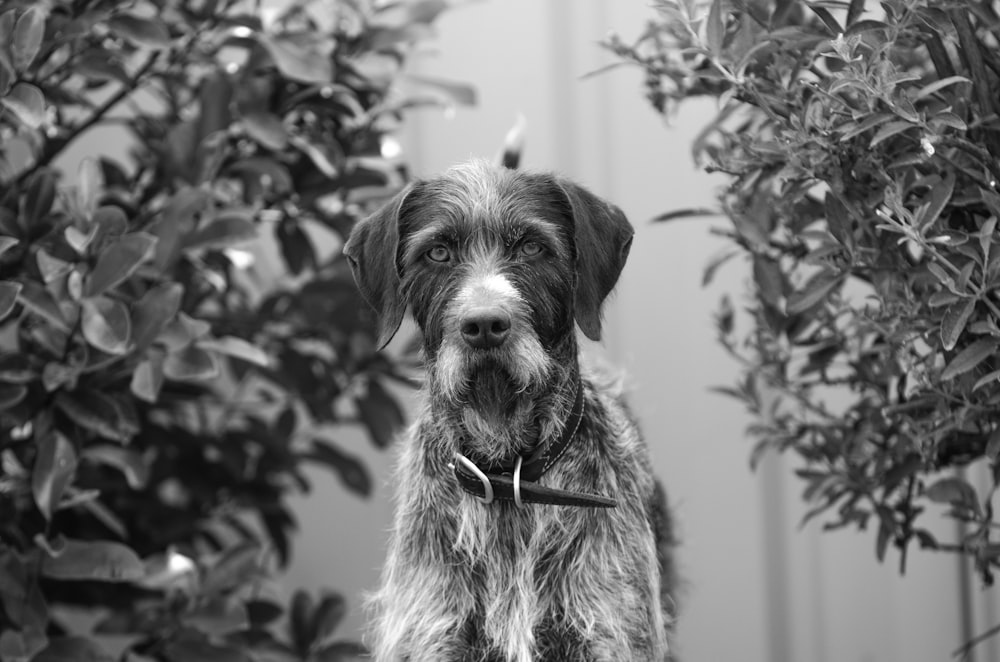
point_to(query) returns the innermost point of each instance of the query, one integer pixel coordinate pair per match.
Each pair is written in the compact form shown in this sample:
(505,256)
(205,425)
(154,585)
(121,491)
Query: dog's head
(495,265)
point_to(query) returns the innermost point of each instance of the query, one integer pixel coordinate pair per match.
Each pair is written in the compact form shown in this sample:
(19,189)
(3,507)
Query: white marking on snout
(490,286)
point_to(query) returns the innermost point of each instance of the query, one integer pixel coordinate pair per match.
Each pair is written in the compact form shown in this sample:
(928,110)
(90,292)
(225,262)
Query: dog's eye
(530,249)
(439,253)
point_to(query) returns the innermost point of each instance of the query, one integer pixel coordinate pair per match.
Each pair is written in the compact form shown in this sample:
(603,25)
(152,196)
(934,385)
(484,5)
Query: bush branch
(56,146)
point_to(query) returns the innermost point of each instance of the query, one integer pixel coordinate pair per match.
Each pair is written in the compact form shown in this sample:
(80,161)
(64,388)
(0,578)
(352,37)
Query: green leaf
(7,22)
(189,364)
(300,620)
(227,228)
(39,301)
(769,279)
(889,130)
(266,128)
(838,219)
(106,325)
(380,413)
(828,19)
(90,184)
(78,240)
(150,314)
(8,296)
(815,290)
(141,31)
(340,651)
(41,195)
(176,222)
(970,357)
(940,196)
(993,445)
(298,59)
(50,267)
(215,95)
(6,243)
(26,102)
(954,320)
(73,649)
(462,94)
(886,530)
(147,379)
(56,375)
(987,379)
(317,155)
(237,348)
(110,221)
(869,122)
(691,212)
(11,394)
(202,651)
(7,75)
(16,368)
(713,266)
(715,27)
(218,617)
(238,566)
(21,646)
(934,86)
(54,469)
(119,261)
(130,462)
(296,247)
(96,412)
(28,34)
(101,66)
(182,331)
(401,14)
(100,560)
(329,615)
(953,491)
(859,27)
(350,470)
(263,613)
(14,591)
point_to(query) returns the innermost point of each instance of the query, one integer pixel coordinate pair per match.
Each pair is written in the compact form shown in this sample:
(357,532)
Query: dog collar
(519,482)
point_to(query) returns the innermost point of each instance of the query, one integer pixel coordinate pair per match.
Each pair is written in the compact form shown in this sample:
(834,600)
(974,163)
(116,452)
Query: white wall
(758,589)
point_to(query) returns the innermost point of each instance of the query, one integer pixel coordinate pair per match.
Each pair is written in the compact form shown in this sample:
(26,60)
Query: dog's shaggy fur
(495,266)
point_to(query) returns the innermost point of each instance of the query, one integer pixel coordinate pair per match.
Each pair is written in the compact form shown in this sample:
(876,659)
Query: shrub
(159,399)
(861,144)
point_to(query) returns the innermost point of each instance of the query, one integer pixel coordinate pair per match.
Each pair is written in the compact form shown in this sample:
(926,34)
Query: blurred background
(759,587)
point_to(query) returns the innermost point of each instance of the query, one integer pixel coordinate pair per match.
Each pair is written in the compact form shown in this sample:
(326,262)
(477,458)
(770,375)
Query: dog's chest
(520,569)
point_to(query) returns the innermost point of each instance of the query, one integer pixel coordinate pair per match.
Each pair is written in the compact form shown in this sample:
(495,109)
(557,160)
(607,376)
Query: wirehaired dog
(528,523)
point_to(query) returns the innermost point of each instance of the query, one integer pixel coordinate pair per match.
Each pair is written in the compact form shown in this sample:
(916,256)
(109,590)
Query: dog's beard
(493,392)
(490,390)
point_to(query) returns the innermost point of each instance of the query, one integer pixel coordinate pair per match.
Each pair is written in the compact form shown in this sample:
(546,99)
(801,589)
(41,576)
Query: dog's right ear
(371,251)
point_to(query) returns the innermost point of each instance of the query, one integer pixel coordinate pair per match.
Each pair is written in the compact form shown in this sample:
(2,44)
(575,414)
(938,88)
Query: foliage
(160,396)
(861,144)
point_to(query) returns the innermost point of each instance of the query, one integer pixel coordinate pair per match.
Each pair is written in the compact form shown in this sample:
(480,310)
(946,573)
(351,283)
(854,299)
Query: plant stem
(55,147)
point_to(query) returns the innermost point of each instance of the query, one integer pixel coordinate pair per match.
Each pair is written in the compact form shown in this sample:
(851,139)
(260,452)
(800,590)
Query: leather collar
(518,481)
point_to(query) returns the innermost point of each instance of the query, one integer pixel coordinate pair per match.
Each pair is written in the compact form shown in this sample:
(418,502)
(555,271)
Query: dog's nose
(483,329)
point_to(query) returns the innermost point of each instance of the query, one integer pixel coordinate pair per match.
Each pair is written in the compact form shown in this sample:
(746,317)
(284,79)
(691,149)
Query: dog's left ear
(371,252)
(603,237)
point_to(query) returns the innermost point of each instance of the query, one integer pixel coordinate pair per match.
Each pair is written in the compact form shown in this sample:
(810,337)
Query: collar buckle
(487,485)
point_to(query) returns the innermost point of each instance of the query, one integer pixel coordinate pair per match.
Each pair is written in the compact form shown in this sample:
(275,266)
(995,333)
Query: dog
(528,523)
